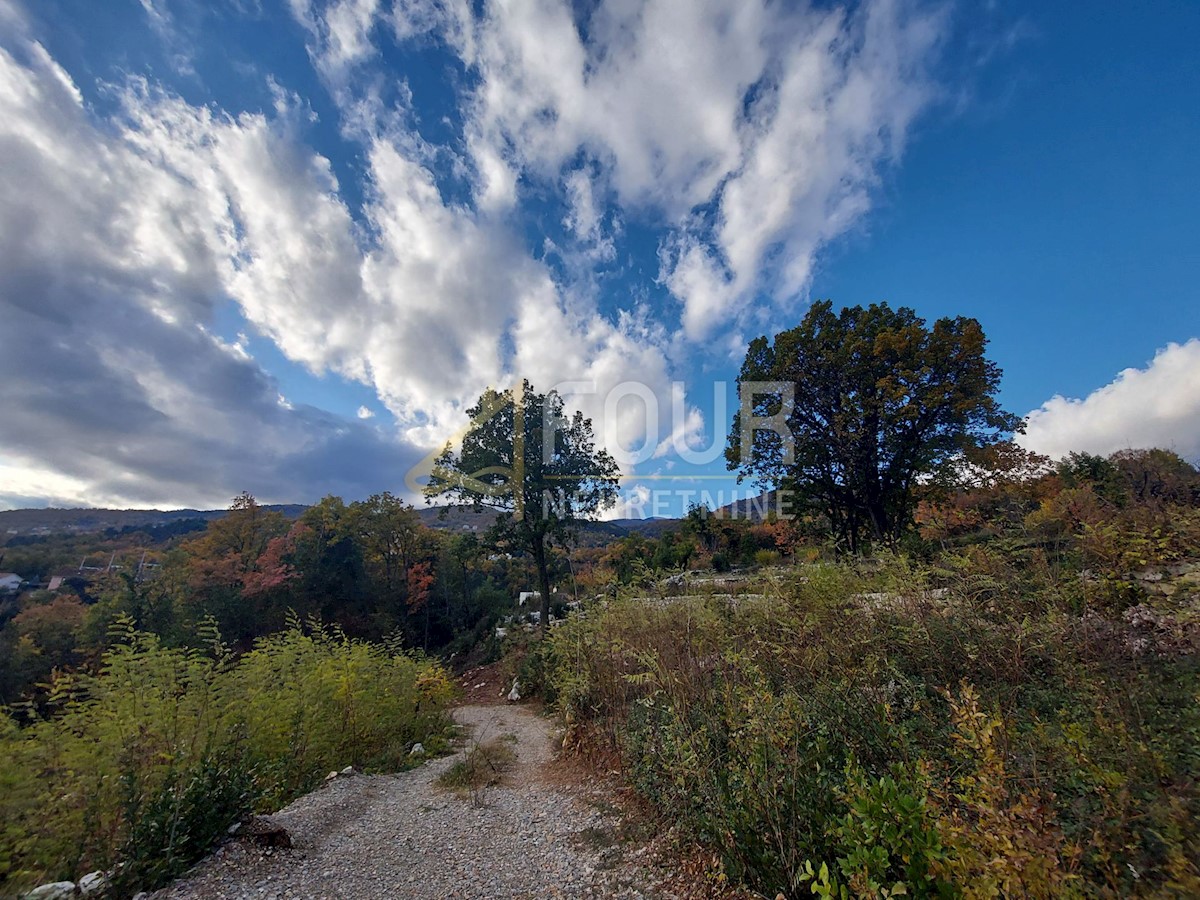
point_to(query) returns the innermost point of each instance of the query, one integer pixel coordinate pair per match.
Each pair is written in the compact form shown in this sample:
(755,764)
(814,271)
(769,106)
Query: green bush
(167,830)
(141,766)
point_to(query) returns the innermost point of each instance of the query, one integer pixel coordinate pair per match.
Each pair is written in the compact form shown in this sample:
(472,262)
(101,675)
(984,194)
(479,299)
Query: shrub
(142,765)
(766,557)
(870,729)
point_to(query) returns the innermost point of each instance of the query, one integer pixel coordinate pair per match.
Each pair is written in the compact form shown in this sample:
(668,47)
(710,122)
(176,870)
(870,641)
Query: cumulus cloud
(752,132)
(755,130)
(748,134)
(115,248)
(634,502)
(122,238)
(1157,406)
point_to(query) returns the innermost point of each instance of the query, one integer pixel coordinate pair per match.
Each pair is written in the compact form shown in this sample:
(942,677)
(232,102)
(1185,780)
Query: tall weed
(140,766)
(871,730)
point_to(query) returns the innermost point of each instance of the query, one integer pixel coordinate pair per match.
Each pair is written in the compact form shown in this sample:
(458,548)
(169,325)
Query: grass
(484,766)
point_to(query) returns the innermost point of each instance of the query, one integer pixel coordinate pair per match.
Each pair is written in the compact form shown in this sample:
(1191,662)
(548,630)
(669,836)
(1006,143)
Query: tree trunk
(539,556)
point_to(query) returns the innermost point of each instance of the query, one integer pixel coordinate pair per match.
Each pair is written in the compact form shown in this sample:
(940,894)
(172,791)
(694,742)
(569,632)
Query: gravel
(372,836)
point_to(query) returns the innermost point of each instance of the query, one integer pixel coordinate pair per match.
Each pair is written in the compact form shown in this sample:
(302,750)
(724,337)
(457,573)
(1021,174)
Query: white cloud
(365,413)
(774,119)
(1157,406)
(636,501)
(167,209)
(752,133)
(117,242)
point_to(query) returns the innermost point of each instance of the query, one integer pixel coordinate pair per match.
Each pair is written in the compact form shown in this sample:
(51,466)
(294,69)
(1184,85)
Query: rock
(417,750)
(348,771)
(675,584)
(331,776)
(93,883)
(515,694)
(266,832)
(234,829)
(57,890)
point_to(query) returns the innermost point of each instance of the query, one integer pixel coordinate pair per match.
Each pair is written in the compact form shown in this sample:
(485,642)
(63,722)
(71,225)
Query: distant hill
(756,509)
(47,521)
(456,518)
(445,518)
(649,527)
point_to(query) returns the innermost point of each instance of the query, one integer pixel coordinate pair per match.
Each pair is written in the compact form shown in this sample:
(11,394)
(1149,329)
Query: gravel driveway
(377,836)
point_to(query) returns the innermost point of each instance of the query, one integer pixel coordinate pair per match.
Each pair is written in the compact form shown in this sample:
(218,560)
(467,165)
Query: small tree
(540,470)
(876,404)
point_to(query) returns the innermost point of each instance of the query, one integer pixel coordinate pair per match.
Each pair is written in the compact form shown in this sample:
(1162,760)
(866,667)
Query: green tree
(1078,470)
(389,532)
(540,470)
(877,404)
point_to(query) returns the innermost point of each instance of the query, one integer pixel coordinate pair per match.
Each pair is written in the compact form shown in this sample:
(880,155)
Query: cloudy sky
(281,245)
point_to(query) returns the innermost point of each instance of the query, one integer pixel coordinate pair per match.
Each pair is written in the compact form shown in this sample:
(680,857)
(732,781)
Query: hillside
(451,518)
(50,520)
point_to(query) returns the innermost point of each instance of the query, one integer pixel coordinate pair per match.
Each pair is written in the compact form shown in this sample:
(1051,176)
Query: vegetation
(876,404)
(369,567)
(542,483)
(1005,701)
(138,768)
(1012,709)
(484,766)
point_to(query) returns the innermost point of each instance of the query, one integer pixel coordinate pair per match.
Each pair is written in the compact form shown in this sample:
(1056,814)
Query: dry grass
(484,766)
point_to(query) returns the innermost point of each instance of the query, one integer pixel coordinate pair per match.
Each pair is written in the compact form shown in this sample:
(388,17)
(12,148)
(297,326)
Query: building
(10,581)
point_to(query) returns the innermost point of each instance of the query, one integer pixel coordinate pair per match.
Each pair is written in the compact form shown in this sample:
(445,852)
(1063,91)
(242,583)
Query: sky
(282,245)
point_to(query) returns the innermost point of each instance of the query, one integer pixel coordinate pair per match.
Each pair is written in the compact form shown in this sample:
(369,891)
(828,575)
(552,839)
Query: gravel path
(401,836)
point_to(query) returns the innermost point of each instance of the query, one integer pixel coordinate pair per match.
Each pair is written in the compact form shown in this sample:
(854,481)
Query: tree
(1157,475)
(388,529)
(541,471)
(876,403)
(217,564)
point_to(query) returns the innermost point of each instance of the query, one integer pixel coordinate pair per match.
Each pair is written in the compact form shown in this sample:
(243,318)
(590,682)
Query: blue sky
(280,245)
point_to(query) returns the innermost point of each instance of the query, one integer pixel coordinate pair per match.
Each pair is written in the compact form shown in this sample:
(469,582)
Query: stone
(417,750)
(93,883)
(331,776)
(348,771)
(266,832)
(515,694)
(56,890)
